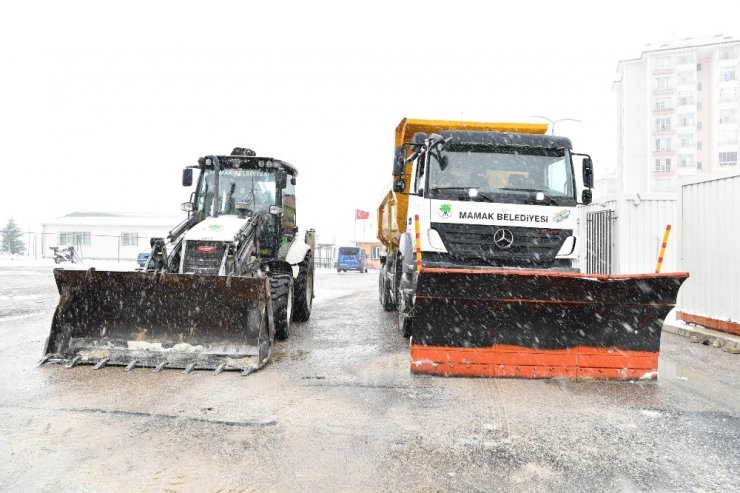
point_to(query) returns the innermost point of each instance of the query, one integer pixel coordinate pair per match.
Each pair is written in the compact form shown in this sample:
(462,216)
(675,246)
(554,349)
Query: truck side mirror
(281,179)
(586,197)
(399,185)
(187,177)
(588,173)
(399,161)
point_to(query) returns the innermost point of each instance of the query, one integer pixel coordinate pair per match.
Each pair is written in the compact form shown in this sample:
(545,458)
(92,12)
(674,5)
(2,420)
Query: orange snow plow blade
(156,320)
(539,324)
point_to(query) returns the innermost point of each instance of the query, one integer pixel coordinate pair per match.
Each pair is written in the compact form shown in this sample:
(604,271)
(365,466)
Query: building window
(662,124)
(686,57)
(727,116)
(698,145)
(663,165)
(375,253)
(74,238)
(728,158)
(699,106)
(726,74)
(698,125)
(727,94)
(727,53)
(685,99)
(685,120)
(663,103)
(686,162)
(728,137)
(698,165)
(663,184)
(129,239)
(663,144)
(698,67)
(685,140)
(698,86)
(662,62)
(662,83)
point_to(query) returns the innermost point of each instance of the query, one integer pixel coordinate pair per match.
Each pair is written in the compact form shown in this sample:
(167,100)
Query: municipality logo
(445,211)
(561,216)
(215,227)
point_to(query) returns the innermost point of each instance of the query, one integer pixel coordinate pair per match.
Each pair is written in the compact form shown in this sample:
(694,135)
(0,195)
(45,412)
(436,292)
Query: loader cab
(247,185)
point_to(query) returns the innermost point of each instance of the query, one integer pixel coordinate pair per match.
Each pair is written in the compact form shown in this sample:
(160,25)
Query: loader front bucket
(539,324)
(161,321)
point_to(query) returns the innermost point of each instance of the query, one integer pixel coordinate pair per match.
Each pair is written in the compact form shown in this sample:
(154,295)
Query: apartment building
(677,112)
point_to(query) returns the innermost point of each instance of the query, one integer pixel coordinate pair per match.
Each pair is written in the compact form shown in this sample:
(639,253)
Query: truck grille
(475,242)
(203,257)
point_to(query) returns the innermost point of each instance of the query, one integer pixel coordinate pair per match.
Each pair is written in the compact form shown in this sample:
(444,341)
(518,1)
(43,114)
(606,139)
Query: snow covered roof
(168,219)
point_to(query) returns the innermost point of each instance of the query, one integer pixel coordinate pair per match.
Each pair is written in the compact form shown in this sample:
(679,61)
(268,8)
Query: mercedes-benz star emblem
(503,238)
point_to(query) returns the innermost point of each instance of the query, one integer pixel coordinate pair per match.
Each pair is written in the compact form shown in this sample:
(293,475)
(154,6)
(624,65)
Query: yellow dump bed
(393,207)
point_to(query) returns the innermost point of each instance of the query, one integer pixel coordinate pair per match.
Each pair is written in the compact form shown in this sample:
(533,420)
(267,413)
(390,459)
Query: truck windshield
(256,187)
(502,174)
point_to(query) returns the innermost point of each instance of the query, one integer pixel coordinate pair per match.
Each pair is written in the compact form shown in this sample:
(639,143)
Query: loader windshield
(501,174)
(256,187)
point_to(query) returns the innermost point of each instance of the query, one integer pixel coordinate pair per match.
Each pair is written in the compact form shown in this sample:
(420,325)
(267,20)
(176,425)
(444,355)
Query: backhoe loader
(217,290)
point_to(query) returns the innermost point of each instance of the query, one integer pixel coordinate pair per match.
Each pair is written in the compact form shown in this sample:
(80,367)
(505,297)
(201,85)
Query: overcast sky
(102,106)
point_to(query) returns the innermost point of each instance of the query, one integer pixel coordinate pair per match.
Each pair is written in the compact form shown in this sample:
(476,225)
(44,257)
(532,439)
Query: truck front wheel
(386,300)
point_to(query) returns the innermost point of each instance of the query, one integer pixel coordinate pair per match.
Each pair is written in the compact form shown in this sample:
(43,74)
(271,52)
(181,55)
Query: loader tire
(303,290)
(281,292)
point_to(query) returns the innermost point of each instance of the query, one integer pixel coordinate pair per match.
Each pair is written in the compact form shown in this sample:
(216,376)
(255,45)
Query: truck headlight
(435,241)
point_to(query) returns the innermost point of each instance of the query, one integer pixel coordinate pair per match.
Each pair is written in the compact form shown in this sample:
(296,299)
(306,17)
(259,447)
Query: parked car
(351,258)
(142,258)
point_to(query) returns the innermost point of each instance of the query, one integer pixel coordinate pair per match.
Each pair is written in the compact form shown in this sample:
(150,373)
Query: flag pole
(354,230)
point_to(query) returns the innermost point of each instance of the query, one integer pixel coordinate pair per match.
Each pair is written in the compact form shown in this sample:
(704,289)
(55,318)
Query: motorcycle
(65,253)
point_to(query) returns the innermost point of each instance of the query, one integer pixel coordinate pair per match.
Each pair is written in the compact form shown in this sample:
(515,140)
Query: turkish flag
(361,214)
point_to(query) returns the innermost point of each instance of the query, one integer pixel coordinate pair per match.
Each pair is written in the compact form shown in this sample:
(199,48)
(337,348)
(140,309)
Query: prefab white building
(98,235)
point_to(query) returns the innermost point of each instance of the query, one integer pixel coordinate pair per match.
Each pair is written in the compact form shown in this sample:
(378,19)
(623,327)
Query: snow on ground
(26,261)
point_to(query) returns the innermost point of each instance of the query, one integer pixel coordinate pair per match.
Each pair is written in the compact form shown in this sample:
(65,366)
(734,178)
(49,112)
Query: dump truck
(216,292)
(480,232)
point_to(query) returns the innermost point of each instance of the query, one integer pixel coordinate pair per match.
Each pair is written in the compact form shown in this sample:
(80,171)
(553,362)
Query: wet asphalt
(338,410)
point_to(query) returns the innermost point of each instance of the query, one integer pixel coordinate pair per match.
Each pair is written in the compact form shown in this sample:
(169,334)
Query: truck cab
(491,199)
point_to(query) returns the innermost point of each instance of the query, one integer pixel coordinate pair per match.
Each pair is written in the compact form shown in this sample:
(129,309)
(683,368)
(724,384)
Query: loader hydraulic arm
(248,242)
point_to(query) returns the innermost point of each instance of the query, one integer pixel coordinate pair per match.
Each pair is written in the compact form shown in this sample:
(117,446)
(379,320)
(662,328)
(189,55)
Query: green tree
(11,238)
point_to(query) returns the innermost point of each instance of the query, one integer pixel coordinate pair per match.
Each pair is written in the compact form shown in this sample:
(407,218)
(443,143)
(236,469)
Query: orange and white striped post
(417,227)
(662,248)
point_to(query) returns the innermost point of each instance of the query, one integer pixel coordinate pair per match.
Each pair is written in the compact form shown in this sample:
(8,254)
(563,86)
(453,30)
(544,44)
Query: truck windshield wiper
(487,198)
(547,198)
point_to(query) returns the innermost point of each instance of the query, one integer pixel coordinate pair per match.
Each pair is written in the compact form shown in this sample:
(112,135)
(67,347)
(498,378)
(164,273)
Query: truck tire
(385,292)
(303,290)
(281,292)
